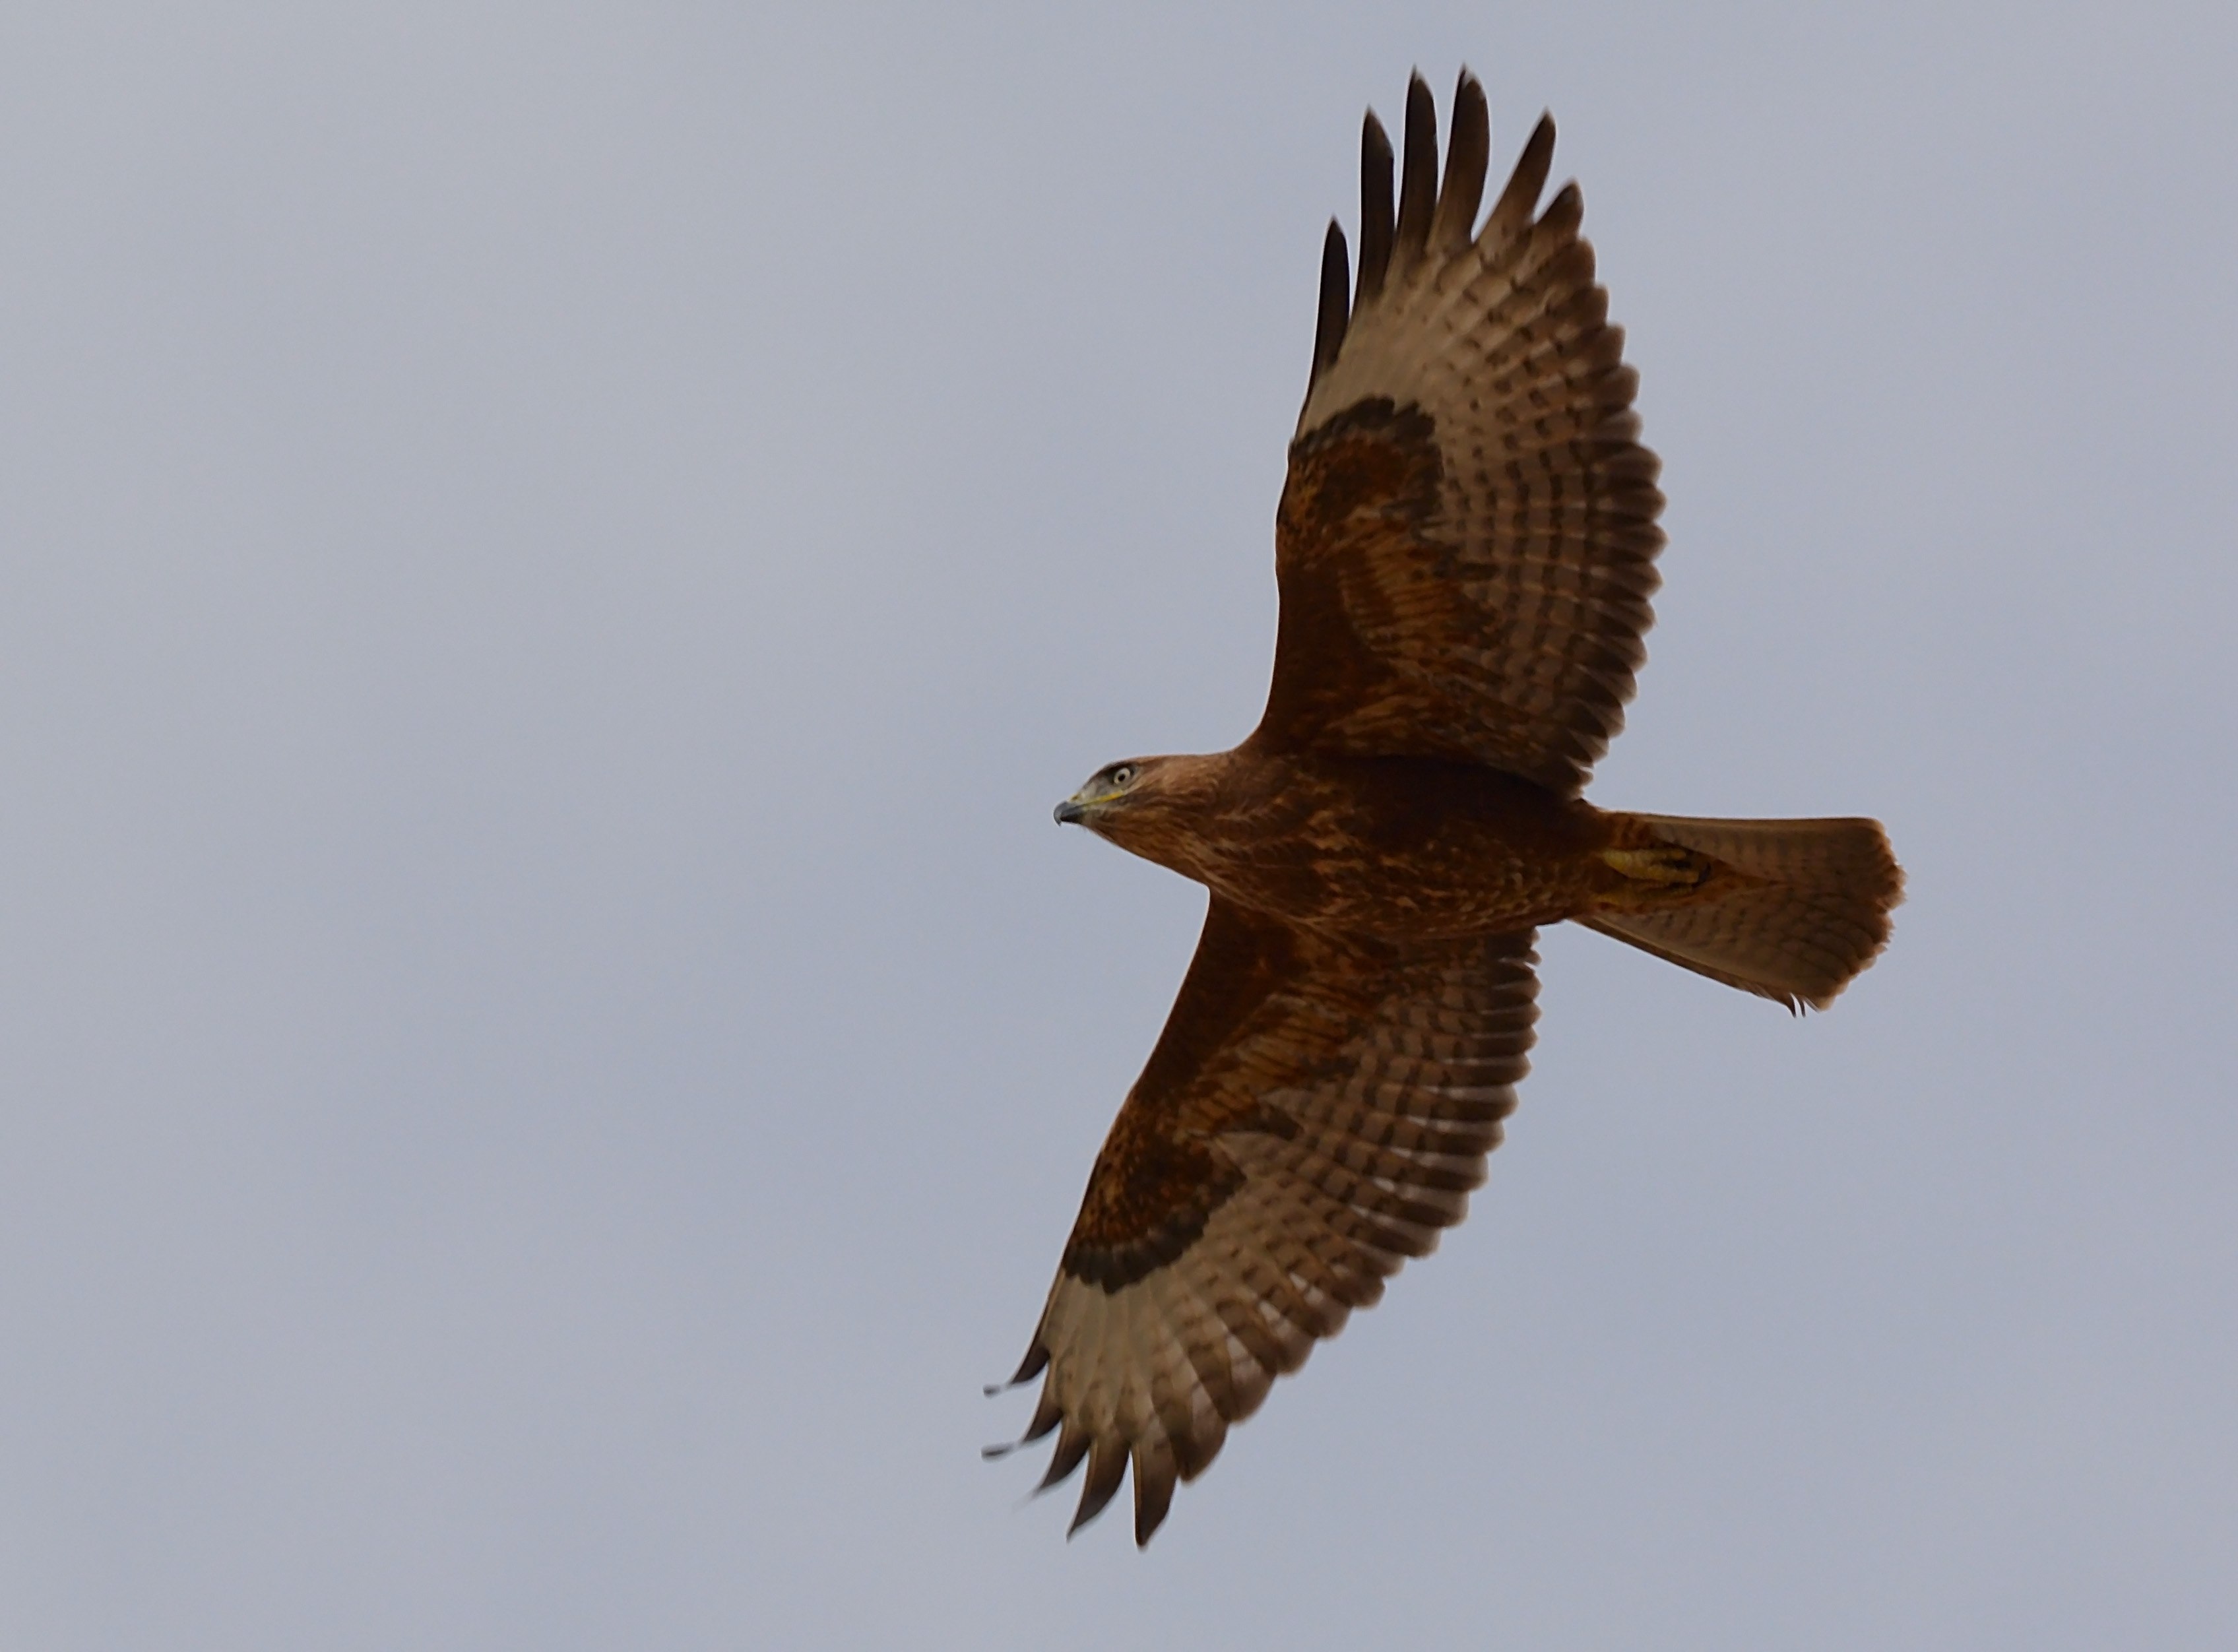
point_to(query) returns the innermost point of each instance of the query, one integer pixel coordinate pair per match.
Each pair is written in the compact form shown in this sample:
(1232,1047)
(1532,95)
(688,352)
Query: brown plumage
(1466,550)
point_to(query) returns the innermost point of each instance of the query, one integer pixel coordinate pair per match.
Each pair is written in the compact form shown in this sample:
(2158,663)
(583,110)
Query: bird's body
(1389,848)
(1466,548)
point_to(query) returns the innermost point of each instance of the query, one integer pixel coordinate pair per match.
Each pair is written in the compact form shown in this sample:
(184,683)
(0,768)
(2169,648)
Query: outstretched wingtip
(1154,1494)
(1107,1467)
(1335,302)
(1468,90)
(1375,141)
(1528,181)
(1418,173)
(1375,208)
(1468,152)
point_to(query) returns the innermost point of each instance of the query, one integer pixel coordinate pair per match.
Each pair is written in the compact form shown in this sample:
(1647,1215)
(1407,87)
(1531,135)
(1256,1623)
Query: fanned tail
(1807,913)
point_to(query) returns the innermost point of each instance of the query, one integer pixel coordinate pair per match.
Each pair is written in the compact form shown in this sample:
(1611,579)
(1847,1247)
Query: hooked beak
(1069,813)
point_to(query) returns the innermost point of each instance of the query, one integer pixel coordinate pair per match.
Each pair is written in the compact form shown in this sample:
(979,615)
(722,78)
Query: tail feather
(1808,912)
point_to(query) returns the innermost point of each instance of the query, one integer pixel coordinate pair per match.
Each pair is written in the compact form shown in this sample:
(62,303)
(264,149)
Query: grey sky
(557,558)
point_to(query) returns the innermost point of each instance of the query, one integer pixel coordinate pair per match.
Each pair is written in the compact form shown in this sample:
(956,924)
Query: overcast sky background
(556,559)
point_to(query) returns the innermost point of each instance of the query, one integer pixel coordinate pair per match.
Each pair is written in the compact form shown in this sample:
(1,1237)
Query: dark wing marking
(1313,1114)
(1466,540)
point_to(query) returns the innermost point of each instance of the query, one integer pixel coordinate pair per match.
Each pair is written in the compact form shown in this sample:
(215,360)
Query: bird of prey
(1465,551)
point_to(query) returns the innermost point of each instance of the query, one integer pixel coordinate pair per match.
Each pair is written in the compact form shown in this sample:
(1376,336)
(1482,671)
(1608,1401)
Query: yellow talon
(1665,863)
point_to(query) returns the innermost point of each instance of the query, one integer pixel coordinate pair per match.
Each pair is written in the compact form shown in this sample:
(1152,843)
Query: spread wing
(1466,539)
(1313,1114)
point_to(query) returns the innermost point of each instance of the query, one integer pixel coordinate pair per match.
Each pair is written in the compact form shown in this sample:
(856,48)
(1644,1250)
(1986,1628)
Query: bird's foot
(1665,865)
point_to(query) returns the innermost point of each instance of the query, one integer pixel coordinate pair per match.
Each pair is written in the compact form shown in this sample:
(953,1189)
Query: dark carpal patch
(1147,1201)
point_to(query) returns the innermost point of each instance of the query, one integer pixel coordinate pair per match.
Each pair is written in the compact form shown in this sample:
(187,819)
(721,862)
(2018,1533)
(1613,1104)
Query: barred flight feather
(1373,1084)
(1545,501)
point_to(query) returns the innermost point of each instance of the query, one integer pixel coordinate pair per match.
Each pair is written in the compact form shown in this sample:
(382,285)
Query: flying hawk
(1466,548)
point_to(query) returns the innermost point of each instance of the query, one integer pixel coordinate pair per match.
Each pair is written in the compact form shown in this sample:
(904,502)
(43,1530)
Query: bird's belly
(1422,856)
(1417,898)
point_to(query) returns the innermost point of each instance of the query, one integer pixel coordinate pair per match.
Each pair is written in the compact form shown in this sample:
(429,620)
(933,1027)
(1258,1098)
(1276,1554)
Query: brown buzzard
(1465,547)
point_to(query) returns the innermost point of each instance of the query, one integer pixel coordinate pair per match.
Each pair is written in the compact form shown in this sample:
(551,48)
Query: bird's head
(1147,805)
(1112,790)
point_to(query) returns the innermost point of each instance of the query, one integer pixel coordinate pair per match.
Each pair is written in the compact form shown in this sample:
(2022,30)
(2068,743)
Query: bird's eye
(1123,774)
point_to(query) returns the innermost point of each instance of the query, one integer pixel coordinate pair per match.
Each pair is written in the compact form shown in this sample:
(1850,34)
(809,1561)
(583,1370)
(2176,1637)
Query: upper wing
(1313,1114)
(1466,539)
